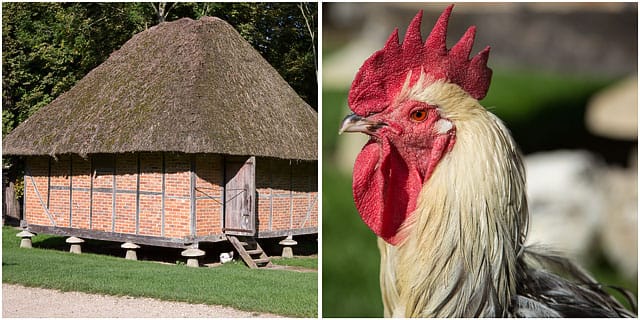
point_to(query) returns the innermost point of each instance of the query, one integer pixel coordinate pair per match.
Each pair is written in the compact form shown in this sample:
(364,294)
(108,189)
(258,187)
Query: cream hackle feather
(459,253)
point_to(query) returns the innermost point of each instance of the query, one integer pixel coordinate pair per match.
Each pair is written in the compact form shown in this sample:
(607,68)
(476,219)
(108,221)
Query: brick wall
(151,179)
(153,193)
(59,197)
(177,205)
(35,183)
(113,193)
(287,194)
(81,183)
(209,193)
(126,185)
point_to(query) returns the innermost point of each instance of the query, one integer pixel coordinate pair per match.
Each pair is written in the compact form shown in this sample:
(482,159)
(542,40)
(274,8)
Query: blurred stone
(578,204)
(613,112)
(566,201)
(620,225)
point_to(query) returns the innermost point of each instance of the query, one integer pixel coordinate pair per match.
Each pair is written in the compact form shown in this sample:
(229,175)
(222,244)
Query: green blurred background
(544,108)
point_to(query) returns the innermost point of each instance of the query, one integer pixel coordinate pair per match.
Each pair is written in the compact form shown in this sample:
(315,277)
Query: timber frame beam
(122,237)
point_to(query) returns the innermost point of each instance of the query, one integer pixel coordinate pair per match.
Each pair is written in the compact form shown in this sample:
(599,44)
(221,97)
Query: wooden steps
(250,251)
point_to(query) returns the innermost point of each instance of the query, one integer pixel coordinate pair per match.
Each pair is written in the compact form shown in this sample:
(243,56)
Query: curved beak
(356,123)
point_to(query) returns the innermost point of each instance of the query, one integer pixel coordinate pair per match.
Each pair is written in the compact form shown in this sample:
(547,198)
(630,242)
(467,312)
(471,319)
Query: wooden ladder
(250,251)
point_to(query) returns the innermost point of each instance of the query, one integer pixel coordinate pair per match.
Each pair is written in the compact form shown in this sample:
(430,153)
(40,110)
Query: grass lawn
(273,291)
(303,262)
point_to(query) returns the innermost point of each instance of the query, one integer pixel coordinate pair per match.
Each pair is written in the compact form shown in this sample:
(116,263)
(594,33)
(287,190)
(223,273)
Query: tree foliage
(48,47)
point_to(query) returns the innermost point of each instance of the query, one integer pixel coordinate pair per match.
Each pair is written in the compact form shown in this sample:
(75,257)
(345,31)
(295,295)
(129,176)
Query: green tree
(47,47)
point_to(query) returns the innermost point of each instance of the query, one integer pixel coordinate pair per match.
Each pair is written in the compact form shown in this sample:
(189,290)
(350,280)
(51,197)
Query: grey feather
(540,289)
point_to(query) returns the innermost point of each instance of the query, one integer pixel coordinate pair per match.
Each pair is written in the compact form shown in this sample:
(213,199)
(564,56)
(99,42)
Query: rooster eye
(418,115)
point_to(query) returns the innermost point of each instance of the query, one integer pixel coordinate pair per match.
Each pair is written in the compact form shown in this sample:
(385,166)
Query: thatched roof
(183,86)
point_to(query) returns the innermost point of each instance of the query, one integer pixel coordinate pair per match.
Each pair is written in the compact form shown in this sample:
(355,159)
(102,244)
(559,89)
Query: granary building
(184,135)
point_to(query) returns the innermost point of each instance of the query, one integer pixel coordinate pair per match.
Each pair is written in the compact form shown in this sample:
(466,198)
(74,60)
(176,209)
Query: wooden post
(164,169)
(70,191)
(224,193)
(138,196)
(48,181)
(192,195)
(91,193)
(222,186)
(271,194)
(290,195)
(113,196)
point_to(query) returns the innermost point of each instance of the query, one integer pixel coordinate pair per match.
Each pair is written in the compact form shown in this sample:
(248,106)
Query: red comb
(382,76)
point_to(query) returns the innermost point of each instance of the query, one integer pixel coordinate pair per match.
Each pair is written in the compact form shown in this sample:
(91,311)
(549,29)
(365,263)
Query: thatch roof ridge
(191,86)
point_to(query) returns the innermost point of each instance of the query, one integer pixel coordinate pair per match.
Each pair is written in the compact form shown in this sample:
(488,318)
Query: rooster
(442,184)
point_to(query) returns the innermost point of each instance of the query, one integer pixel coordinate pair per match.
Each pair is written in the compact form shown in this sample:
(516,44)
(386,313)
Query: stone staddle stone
(192,255)
(131,250)
(75,244)
(26,238)
(287,252)
(287,243)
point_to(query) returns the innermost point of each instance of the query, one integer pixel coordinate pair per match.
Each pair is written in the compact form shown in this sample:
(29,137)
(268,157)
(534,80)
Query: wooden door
(239,196)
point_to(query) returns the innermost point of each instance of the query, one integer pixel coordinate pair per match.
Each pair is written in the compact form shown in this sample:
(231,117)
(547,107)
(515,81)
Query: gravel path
(23,302)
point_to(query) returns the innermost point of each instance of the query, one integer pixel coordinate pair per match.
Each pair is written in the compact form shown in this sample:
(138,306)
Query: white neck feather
(459,254)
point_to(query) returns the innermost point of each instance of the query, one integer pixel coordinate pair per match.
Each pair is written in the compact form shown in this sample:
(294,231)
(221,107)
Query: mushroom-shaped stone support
(75,244)
(131,250)
(26,238)
(192,255)
(287,243)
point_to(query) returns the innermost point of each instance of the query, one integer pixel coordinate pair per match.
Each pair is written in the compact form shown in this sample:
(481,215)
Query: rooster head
(397,99)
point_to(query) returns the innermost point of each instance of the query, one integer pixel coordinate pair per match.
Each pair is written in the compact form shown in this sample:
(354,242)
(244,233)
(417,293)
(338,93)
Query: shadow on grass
(307,246)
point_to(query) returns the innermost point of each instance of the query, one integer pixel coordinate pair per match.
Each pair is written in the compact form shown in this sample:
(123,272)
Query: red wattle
(385,189)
